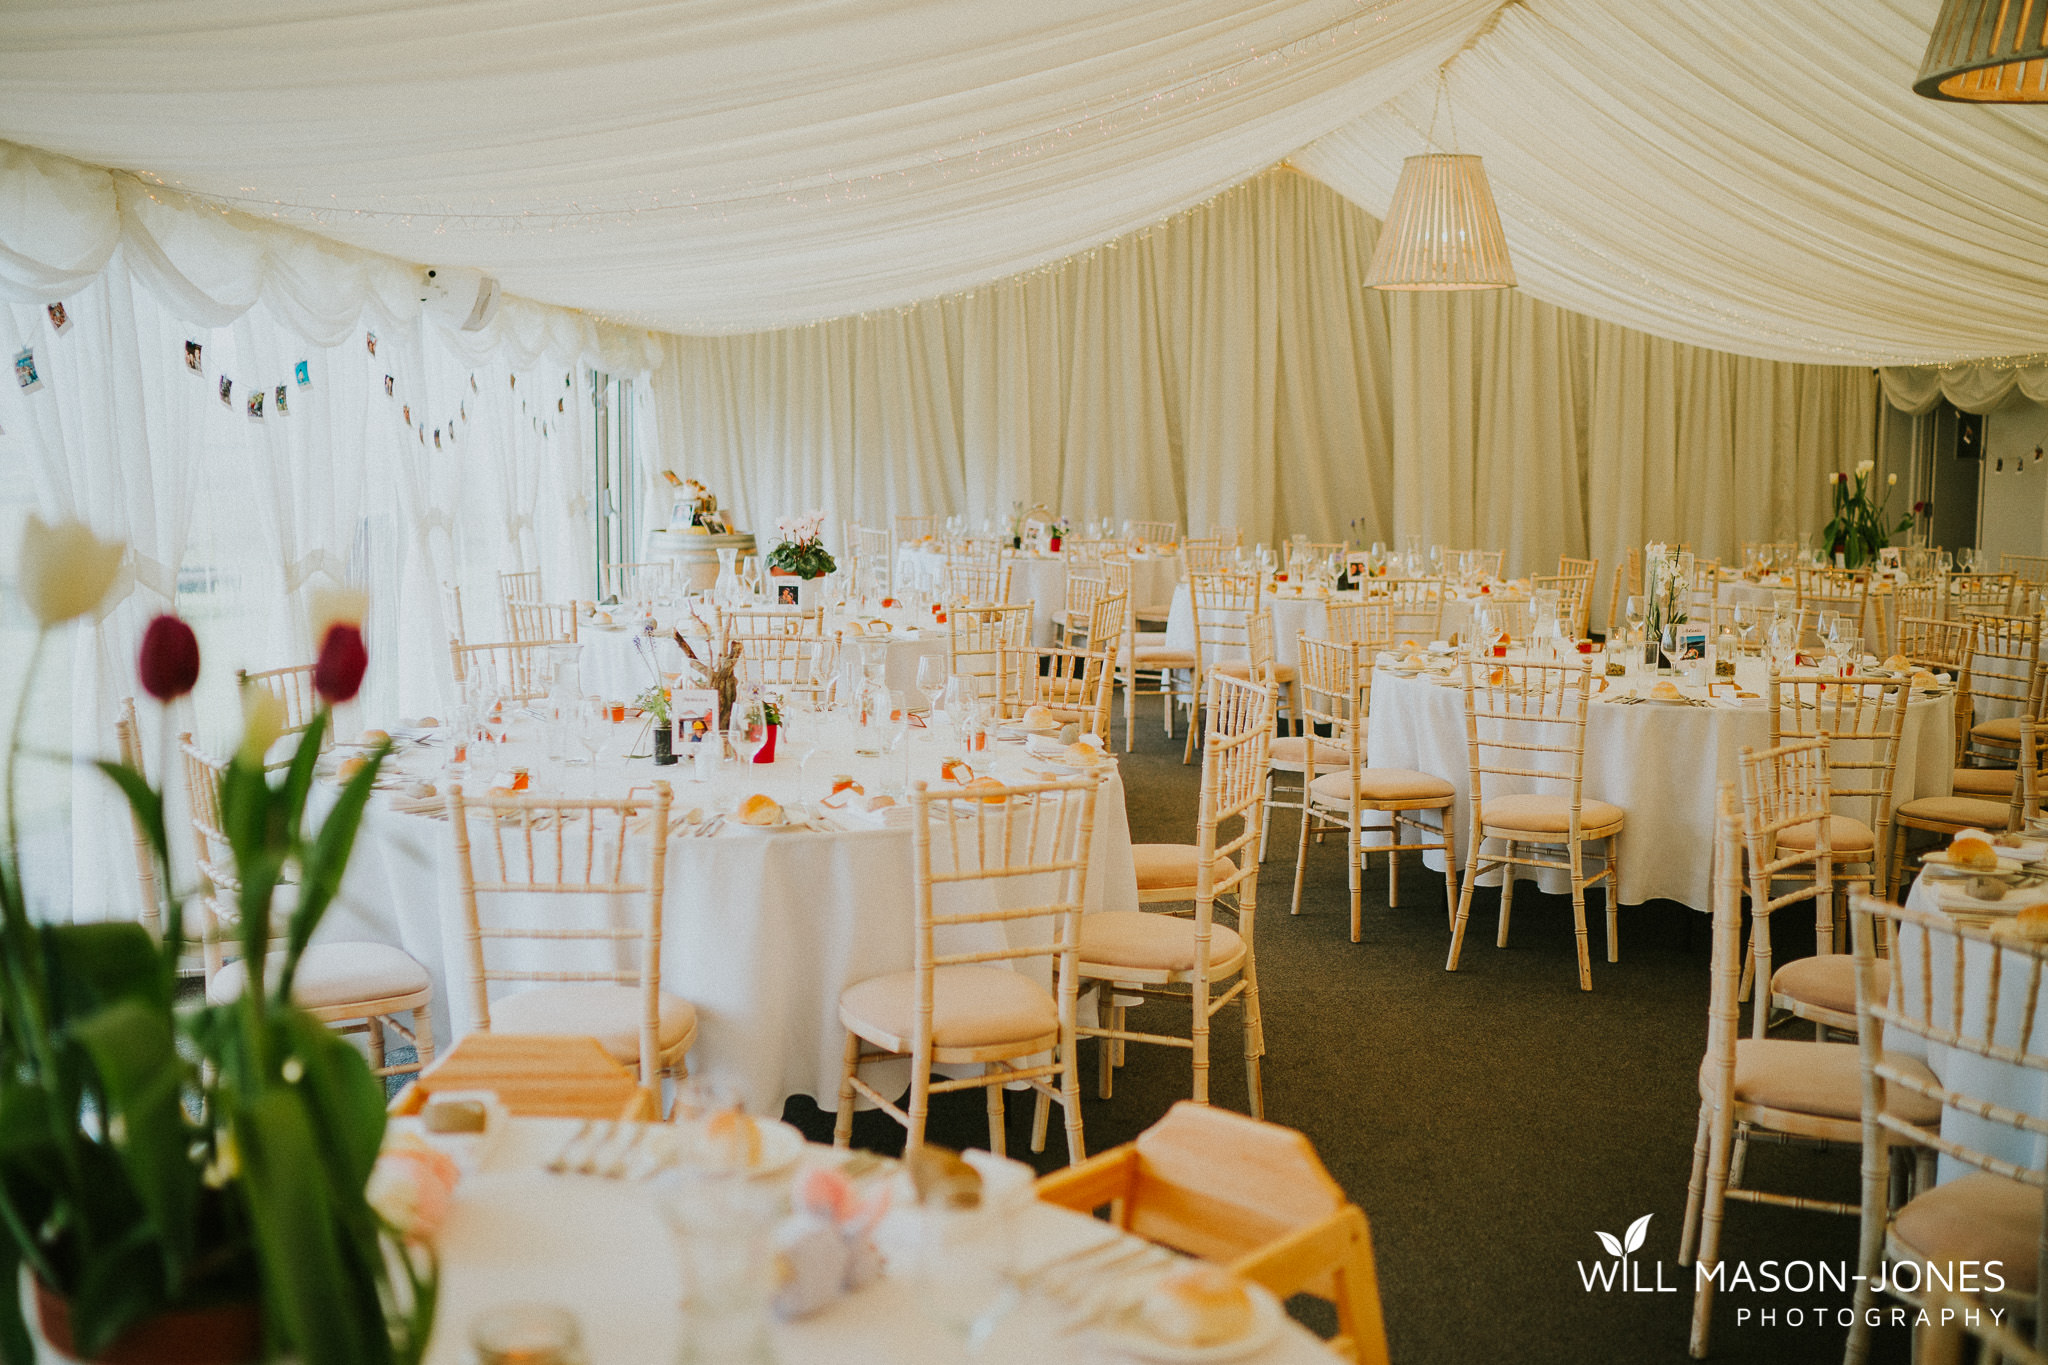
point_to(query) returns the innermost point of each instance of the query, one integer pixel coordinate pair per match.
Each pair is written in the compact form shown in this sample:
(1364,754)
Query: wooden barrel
(696,556)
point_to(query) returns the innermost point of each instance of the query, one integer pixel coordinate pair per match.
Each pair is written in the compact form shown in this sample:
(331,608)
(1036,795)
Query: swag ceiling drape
(1230,368)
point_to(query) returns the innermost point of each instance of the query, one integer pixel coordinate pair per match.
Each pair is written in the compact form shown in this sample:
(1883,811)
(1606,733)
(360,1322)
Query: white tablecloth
(613,664)
(1040,579)
(1661,764)
(602,1249)
(761,933)
(1295,616)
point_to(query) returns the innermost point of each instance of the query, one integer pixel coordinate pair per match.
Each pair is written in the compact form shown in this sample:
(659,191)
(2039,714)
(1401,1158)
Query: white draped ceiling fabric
(944,254)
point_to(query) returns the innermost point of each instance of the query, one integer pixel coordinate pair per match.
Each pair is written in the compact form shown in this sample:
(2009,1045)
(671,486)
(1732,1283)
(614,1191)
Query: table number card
(693,713)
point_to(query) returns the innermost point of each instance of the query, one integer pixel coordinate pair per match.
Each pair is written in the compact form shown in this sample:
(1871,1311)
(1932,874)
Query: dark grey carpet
(1488,1121)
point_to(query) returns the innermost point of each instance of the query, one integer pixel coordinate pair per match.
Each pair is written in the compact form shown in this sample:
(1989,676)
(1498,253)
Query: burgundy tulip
(169,665)
(338,674)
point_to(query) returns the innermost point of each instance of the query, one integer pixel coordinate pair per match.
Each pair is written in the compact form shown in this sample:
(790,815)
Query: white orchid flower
(65,569)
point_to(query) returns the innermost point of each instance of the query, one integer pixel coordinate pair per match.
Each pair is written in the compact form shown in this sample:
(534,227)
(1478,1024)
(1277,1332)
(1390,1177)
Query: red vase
(767,754)
(223,1334)
(1055,545)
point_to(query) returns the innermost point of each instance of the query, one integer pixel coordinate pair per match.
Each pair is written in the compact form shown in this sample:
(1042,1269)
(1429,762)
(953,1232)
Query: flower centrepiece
(1859,527)
(801,547)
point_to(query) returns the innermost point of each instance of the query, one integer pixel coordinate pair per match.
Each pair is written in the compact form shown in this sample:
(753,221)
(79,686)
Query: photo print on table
(194,361)
(59,319)
(25,370)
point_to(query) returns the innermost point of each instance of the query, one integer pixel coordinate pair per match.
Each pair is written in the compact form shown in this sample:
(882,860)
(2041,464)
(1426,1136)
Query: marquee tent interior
(939,255)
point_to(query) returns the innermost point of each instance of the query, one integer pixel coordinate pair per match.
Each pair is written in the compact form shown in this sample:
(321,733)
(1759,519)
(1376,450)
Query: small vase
(664,746)
(767,754)
(1053,545)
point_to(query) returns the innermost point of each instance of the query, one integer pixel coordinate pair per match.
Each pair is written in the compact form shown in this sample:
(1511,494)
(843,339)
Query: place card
(693,713)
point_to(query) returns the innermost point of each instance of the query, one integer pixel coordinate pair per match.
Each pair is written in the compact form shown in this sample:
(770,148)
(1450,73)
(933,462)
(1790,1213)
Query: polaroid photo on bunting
(282,410)
(407,410)
(227,391)
(472,384)
(559,407)
(25,370)
(304,376)
(255,406)
(387,387)
(370,340)
(195,359)
(59,319)
(437,438)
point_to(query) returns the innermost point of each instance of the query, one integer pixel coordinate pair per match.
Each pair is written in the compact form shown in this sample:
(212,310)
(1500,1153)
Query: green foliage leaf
(142,1080)
(321,1295)
(345,1099)
(298,781)
(93,965)
(120,1286)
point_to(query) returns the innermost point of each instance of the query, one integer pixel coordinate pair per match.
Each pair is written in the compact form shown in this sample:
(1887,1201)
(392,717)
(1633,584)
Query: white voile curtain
(1915,389)
(1230,368)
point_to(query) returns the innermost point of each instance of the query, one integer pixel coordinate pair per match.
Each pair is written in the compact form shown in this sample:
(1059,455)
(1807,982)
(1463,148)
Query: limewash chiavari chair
(522,586)
(1083,589)
(1336,684)
(543,623)
(1491,562)
(2006,671)
(558,852)
(511,670)
(1154,532)
(775,646)
(1845,592)
(1367,623)
(1574,596)
(1147,670)
(1223,608)
(1166,957)
(1996,1044)
(1910,601)
(451,605)
(1571,567)
(1076,682)
(1207,556)
(293,687)
(1517,715)
(1977,592)
(1628,582)
(361,987)
(2024,568)
(1863,720)
(1786,788)
(973,1006)
(639,580)
(1260,663)
(975,640)
(918,528)
(1246,1194)
(1775,1087)
(1950,647)
(978,579)
(1416,606)
(873,557)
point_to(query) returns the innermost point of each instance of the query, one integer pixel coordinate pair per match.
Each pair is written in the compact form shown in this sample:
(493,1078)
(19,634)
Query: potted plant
(187,1182)
(1056,533)
(801,552)
(771,716)
(654,701)
(1859,529)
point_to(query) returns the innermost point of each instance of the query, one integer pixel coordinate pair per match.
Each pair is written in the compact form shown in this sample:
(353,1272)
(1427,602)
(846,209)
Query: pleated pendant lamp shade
(1442,230)
(1987,52)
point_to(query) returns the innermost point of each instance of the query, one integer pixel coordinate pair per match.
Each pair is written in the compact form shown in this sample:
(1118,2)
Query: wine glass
(931,679)
(593,728)
(748,727)
(1636,615)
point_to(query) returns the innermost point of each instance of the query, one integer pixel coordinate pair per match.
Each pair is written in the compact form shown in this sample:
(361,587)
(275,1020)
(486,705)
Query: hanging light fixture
(1987,52)
(1442,229)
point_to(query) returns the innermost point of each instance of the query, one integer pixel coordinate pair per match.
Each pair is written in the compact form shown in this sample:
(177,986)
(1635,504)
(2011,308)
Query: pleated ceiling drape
(1231,368)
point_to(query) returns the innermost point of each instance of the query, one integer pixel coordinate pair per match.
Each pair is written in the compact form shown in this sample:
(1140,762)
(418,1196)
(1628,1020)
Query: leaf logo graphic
(1632,1240)
(1607,1240)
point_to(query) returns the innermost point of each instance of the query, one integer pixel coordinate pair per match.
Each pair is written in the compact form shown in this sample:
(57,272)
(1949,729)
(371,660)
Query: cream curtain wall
(1915,389)
(1230,368)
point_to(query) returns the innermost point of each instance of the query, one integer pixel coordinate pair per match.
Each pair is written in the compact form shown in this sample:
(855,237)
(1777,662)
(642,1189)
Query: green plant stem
(35,659)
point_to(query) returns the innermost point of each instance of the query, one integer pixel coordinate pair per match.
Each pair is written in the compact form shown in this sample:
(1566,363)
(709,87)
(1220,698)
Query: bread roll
(1667,691)
(1972,849)
(373,737)
(1197,1306)
(760,810)
(735,1139)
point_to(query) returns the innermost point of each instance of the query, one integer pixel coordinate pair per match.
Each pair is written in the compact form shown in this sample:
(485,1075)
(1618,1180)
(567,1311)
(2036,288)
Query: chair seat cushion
(1293,750)
(2004,730)
(1133,938)
(1549,814)
(608,1013)
(1163,658)
(1822,1079)
(331,974)
(1242,668)
(1380,784)
(1978,1217)
(971,1007)
(1163,867)
(1845,835)
(1993,782)
(1827,981)
(1963,812)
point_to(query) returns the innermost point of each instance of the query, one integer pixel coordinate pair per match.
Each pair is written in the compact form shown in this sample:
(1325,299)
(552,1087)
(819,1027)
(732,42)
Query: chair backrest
(1862,720)
(1223,606)
(1334,678)
(1724,980)
(976,636)
(1994,1032)
(523,586)
(1154,532)
(451,603)
(1628,582)
(1075,681)
(1083,589)
(1782,788)
(1234,754)
(1920,600)
(1518,712)
(128,748)
(2005,669)
(292,686)
(776,646)
(1926,642)
(1369,622)
(918,528)
(978,579)
(1490,561)
(1029,845)
(1574,599)
(873,557)
(639,580)
(1416,606)
(513,670)
(1568,566)
(2025,568)
(544,623)
(1977,592)
(1207,556)
(538,846)
(213,857)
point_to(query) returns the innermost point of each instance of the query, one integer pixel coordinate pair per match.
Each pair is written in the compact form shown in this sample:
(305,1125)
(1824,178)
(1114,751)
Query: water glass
(722,1226)
(526,1334)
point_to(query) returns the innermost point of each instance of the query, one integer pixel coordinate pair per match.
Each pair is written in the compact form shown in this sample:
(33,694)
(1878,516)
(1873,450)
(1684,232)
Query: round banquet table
(1651,760)
(760,933)
(603,1249)
(613,665)
(1309,613)
(1040,579)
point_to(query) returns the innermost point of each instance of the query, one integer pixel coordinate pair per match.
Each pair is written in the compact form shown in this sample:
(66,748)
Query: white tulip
(1864,467)
(65,569)
(1891,480)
